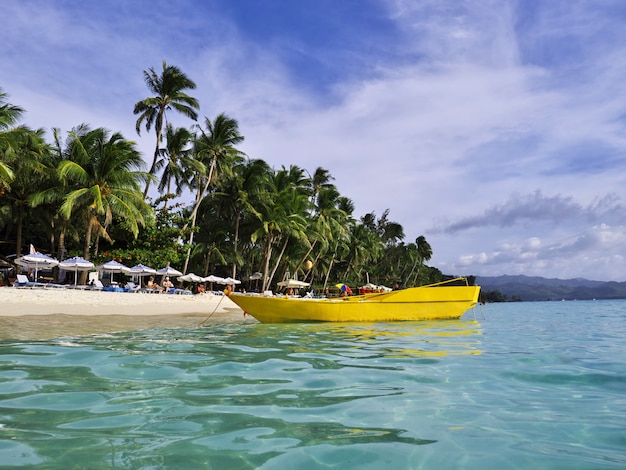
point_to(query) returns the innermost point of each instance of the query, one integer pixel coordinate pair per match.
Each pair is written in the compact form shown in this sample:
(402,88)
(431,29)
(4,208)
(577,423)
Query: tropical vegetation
(217,210)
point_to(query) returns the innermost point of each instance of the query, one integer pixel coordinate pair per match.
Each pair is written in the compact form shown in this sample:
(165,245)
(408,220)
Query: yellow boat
(432,302)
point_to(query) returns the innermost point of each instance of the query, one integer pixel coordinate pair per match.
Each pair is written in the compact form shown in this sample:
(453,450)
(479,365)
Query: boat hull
(414,304)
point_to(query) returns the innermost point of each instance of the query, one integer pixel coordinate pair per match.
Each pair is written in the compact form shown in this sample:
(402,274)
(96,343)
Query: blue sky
(497,129)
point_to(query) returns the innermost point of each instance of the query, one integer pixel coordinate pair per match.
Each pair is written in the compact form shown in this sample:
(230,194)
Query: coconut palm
(21,168)
(9,116)
(242,193)
(328,221)
(28,175)
(321,179)
(424,253)
(365,247)
(214,147)
(177,160)
(103,174)
(283,217)
(169,93)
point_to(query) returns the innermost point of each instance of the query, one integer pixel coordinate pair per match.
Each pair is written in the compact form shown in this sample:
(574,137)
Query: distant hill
(527,288)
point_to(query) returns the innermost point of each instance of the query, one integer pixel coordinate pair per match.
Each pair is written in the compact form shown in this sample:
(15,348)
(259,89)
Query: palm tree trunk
(410,274)
(156,154)
(330,266)
(207,260)
(169,187)
(268,254)
(87,243)
(280,256)
(86,246)
(194,213)
(61,247)
(306,255)
(235,242)
(190,243)
(18,236)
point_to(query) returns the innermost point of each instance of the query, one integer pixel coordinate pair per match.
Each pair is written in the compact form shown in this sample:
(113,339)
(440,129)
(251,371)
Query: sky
(495,128)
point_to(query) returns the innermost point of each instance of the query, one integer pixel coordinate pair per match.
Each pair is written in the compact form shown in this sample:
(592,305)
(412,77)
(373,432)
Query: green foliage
(492,296)
(245,217)
(157,244)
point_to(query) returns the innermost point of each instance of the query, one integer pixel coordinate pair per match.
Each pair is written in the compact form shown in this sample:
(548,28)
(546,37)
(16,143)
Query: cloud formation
(495,128)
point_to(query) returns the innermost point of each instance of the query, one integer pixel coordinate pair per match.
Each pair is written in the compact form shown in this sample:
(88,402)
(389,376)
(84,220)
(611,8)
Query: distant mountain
(529,288)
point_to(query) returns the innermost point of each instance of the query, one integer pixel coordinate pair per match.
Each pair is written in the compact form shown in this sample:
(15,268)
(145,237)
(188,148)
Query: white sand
(48,313)
(17,302)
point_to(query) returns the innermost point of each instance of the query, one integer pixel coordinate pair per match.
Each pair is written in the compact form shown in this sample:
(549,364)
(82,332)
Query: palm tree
(214,147)
(321,179)
(424,253)
(364,248)
(102,172)
(169,92)
(242,192)
(328,222)
(9,116)
(177,160)
(29,171)
(282,217)
(21,167)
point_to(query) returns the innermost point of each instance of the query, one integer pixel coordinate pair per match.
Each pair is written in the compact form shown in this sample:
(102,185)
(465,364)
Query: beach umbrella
(191,277)
(112,267)
(212,279)
(141,270)
(344,288)
(293,283)
(256,276)
(169,271)
(229,280)
(76,264)
(36,260)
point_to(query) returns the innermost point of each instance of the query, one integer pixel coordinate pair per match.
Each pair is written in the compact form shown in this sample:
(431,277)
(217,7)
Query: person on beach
(167,284)
(153,285)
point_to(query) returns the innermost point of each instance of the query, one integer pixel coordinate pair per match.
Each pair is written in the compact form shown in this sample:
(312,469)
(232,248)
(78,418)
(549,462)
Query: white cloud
(473,130)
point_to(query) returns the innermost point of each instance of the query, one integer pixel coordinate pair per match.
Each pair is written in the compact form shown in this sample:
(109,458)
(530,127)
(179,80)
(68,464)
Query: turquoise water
(527,385)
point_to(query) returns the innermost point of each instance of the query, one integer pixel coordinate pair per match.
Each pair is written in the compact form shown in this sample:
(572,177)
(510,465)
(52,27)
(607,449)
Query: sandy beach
(51,313)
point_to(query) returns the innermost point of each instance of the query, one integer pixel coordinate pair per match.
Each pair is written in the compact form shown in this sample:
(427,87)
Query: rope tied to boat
(214,310)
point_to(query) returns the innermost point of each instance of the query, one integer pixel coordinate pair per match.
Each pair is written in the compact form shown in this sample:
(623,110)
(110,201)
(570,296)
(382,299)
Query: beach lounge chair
(182,292)
(150,290)
(132,287)
(22,281)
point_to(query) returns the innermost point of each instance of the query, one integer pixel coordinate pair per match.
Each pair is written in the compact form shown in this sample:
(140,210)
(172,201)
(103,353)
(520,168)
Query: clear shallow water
(528,385)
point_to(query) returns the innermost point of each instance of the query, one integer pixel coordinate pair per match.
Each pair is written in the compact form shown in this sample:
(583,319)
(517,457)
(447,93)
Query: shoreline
(38,314)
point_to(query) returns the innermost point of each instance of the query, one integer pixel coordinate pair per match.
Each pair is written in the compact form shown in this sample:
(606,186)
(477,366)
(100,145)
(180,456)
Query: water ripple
(544,389)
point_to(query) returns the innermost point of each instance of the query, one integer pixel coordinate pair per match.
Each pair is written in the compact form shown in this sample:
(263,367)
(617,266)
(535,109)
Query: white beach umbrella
(141,270)
(76,264)
(112,267)
(293,283)
(230,280)
(36,260)
(191,277)
(169,271)
(213,279)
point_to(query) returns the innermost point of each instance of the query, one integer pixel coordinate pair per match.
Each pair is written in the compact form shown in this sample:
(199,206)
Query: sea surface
(510,386)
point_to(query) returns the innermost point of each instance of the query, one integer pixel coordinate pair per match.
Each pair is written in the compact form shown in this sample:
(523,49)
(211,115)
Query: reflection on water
(225,396)
(532,386)
(37,327)
(391,340)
